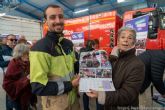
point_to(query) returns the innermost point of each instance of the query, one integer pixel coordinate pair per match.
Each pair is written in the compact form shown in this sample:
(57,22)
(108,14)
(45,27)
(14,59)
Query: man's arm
(41,85)
(51,88)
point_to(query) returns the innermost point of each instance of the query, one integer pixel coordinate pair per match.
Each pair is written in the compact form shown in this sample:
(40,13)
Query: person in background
(127,74)
(76,64)
(1,41)
(22,39)
(90,46)
(4,40)
(16,81)
(6,51)
(96,46)
(52,65)
(1,51)
(154,61)
(7,46)
(10,43)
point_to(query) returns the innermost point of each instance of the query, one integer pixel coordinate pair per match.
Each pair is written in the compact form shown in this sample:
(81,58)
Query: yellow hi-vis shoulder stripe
(39,66)
(43,65)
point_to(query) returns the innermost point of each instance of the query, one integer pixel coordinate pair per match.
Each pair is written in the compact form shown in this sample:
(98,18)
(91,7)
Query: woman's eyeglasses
(13,40)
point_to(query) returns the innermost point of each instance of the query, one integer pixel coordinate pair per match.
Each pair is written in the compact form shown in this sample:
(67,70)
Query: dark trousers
(10,104)
(86,103)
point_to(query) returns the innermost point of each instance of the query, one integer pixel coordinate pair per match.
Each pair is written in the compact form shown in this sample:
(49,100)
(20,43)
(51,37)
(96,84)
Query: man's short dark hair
(50,6)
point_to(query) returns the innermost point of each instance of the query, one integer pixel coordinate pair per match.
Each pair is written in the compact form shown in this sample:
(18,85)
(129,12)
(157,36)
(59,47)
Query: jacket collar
(55,36)
(127,53)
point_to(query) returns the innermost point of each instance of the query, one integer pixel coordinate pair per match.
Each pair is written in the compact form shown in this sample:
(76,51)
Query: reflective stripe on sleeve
(60,87)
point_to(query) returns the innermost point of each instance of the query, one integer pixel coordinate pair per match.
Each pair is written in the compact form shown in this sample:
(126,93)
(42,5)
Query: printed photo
(139,51)
(103,73)
(140,43)
(88,73)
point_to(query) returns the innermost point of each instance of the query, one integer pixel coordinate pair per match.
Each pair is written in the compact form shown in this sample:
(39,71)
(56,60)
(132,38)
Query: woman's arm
(129,90)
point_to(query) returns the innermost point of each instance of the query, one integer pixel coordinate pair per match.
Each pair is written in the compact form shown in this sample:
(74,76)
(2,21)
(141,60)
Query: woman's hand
(28,76)
(115,51)
(92,94)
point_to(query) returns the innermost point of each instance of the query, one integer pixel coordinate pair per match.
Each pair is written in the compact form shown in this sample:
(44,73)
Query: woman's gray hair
(19,50)
(127,29)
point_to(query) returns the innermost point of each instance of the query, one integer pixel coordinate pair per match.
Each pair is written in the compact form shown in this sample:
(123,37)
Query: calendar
(95,71)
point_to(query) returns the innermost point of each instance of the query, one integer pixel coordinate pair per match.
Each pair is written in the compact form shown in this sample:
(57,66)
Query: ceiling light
(2,14)
(81,10)
(119,1)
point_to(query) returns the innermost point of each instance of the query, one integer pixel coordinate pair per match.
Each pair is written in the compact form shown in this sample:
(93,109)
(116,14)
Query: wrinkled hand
(115,51)
(75,81)
(92,93)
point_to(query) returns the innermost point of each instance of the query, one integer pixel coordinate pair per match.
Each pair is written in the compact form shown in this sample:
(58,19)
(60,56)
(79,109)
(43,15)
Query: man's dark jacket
(154,61)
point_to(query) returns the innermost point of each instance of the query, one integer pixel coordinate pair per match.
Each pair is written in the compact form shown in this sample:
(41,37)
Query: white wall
(16,13)
(21,26)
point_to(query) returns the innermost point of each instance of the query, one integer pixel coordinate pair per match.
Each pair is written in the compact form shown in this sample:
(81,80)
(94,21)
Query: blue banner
(140,24)
(77,36)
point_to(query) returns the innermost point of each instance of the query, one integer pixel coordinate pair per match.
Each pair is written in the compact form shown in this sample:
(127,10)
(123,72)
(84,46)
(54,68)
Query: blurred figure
(154,61)
(16,80)
(76,64)
(96,45)
(4,40)
(22,39)
(127,72)
(10,43)
(6,51)
(1,42)
(88,47)
(0,50)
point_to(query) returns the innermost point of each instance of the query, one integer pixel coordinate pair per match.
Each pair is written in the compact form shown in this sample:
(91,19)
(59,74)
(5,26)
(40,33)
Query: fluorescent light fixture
(80,11)
(2,14)
(119,1)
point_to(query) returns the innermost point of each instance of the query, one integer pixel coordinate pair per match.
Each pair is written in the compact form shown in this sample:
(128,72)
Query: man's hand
(75,81)
(92,94)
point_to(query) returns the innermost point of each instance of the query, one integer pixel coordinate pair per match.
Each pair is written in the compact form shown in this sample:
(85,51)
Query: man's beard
(57,30)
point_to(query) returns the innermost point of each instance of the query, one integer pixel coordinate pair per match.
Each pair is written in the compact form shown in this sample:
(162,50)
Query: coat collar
(55,36)
(127,53)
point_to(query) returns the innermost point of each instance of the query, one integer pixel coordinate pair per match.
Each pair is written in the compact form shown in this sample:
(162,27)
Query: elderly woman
(127,74)
(16,80)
